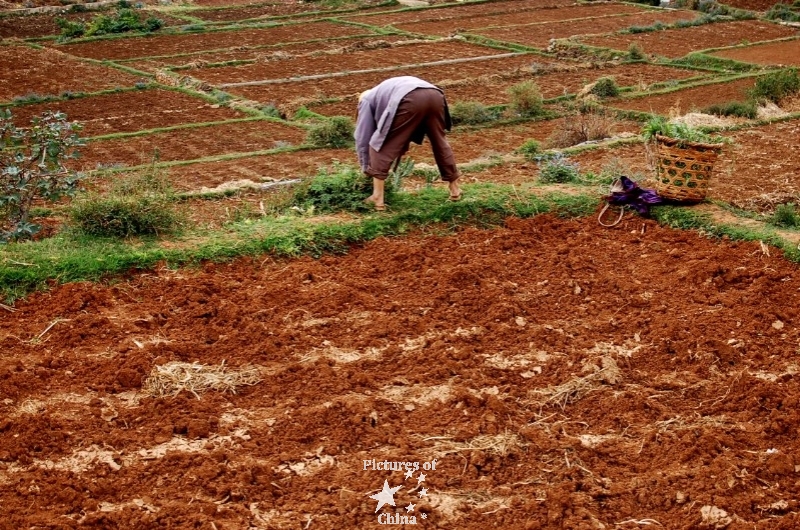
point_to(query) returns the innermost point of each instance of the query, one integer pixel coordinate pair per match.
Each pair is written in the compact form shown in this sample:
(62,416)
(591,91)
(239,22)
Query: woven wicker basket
(684,168)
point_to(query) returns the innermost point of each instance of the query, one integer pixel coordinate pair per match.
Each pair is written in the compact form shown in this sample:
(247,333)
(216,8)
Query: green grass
(70,256)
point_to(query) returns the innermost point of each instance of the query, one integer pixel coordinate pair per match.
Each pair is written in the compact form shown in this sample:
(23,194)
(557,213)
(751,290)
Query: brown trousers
(421,112)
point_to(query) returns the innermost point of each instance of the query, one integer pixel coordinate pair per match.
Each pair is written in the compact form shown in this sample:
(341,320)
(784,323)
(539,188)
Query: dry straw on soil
(575,389)
(498,444)
(172,378)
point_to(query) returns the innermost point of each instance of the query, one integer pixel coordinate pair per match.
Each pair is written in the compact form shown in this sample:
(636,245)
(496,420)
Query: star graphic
(421,478)
(422,493)
(385,496)
(409,473)
(410,507)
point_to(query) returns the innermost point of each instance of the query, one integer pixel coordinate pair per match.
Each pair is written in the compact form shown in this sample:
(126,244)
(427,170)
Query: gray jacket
(376,112)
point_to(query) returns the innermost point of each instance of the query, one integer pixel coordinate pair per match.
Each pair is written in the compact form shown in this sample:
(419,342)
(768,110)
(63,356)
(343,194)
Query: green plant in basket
(660,126)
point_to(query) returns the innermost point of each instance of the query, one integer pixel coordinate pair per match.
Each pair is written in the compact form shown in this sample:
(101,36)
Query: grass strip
(70,257)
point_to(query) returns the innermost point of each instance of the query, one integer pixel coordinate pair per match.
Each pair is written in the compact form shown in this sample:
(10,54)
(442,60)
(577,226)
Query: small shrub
(635,51)
(272,111)
(526,99)
(339,188)
(658,26)
(712,7)
(681,24)
(558,169)
(32,168)
(605,87)
(139,205)
(69,29)
(530,150)
(470,113)
(123,20)
(336,132)
(776,85)
(786,216)
(221,97)
(587,125)
(738,109)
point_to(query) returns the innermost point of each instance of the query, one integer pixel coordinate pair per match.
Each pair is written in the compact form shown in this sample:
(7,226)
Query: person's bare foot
(455,191)
(379,206)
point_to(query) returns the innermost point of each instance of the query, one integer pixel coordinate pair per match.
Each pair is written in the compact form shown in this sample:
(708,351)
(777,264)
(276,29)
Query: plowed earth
(562,375)
(493,89)
(132,111)
(539,35)
(455,11)
(190,143)
(786,53)
(408,54)
(674,43)
(559,374)
(155,45)
(28,71)
(260,53)
(692,99)
(465,23)
(354,84)
(42,25)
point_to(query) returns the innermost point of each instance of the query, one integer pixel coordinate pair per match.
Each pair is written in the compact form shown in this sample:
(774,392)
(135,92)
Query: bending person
(396,112)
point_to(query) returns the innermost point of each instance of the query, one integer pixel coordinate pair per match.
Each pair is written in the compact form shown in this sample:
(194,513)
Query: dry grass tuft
(172,378)
(679,423)
(498,444)
(586,126)
(575,389)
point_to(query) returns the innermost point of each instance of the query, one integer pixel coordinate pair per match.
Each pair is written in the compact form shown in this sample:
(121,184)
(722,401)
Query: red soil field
(157,45)
(562,375)
(190,144)
(409,54)
(256,168)
(539,35)
(455,11)
(784,53)
(354,84)
(29,71)
(477,144)
(42,25)
(465,24)
(558,384)
(694,99)
(674,43)
(260,53)
(132,111)
(755,5)
(493,90)
(277,9)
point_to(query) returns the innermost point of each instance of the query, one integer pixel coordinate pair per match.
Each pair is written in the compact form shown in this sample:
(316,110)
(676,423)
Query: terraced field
(500,362)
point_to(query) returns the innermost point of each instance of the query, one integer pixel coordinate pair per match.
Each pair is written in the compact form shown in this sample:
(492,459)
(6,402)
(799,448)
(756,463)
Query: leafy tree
(32,168)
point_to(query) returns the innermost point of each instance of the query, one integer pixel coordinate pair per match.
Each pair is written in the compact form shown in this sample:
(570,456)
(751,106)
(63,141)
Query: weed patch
(336,132)
(558,169)
(470,113)
(785,216)
(776,86)
(526,99)
(141,204)
(338,188)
